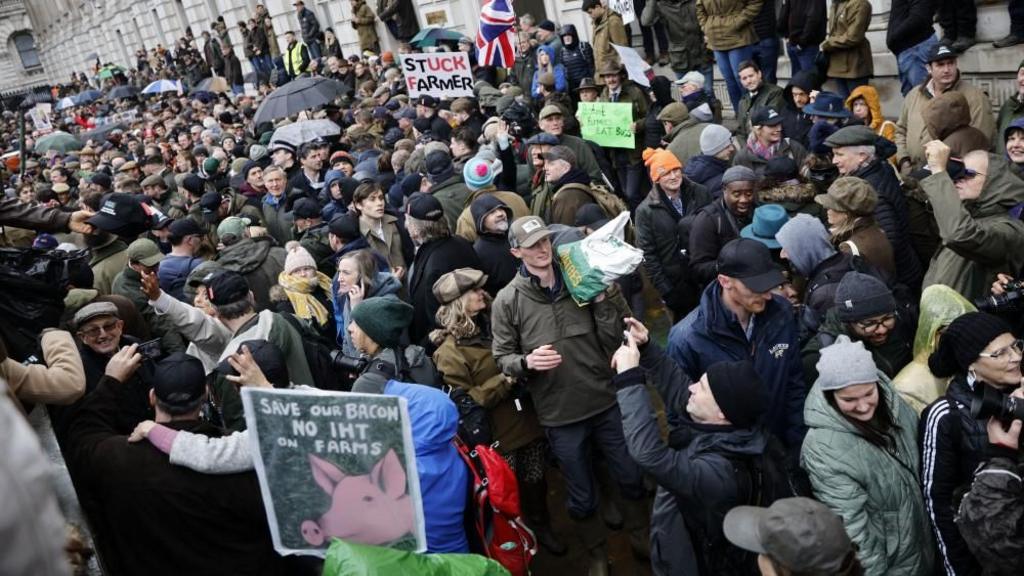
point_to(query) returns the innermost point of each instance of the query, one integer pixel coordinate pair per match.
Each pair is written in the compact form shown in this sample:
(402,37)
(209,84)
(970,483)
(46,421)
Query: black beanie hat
(737,391)
(963,340)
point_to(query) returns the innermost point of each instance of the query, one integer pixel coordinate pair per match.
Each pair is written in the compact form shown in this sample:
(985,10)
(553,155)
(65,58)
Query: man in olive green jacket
(979,237)
(608,30)
(682,131)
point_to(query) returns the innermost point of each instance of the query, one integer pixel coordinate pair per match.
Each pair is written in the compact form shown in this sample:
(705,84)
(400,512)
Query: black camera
(348,364)
(1009,300)
(989,402)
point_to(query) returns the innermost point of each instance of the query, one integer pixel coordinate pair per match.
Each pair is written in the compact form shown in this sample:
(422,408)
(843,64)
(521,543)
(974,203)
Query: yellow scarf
(300,294)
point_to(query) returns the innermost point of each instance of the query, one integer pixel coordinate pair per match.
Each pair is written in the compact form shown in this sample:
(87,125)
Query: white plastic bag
(590,265)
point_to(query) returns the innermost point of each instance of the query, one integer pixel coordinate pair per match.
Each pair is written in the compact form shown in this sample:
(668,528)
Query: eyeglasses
(872,326)
(1016,348)
(93,332)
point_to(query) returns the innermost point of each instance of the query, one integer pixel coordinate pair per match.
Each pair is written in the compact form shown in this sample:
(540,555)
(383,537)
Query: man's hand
(150,286)
(249,373)
(141,431)
(637,330)
(999,286)
(627,356)
(543,358)
(937,155)
(123,363)
(78,222)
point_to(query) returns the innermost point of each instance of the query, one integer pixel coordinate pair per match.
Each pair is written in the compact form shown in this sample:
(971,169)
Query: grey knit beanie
(845,363)
(861,296)
(714,138)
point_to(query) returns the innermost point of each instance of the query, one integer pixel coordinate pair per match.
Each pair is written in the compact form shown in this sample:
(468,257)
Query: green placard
(335,465)
(607,124)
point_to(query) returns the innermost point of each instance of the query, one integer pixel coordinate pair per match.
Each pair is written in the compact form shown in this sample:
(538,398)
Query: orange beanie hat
(660,162)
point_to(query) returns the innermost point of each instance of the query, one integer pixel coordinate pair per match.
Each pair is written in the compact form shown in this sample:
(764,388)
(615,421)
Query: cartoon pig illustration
(369,509)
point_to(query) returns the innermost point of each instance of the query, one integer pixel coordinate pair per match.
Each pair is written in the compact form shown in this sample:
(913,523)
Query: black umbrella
(122,92)
(298,95)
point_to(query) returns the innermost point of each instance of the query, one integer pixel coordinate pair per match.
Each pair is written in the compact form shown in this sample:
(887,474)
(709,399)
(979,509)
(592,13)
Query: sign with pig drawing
(335,465)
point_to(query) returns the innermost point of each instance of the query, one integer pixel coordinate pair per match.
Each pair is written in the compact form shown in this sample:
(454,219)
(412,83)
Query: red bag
(496,512)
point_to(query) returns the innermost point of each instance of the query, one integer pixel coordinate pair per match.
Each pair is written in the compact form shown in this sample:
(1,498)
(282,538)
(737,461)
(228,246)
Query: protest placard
(607,123)
(335,465)
(624,8)
(439,74)
(637,68)
(40,115)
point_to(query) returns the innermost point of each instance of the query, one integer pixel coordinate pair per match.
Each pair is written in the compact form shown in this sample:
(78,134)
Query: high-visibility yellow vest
(293,61)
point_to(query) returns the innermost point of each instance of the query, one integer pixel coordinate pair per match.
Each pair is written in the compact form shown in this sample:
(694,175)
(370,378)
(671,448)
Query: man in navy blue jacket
(739,318)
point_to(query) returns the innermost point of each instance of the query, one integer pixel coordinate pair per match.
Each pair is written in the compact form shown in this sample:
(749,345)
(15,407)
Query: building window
(26,46)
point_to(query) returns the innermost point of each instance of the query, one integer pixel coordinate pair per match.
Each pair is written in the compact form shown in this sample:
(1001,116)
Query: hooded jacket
(916,384)
(577,57)
(948,118)
(468,225)
(795,124)
(259,261)
(980,238)
(558,70)
(1011,112)
(444,478)
(884,128)
(492,248)
(697,470)
(875,491)
(728,24)
(686,49)
(711,333)
(912,132)
(525,316)
(847,46)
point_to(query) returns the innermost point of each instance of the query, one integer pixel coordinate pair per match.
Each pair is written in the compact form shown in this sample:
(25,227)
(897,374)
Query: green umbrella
(109,71)
(60,141)
(432,35)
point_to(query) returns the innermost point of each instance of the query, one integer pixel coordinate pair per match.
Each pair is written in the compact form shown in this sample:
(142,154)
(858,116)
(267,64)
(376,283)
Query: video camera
(989,402)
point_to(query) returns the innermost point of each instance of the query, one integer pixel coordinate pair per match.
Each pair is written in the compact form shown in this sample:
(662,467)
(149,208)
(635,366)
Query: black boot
(592,532)
(963,43)
(534,500)
(1010,39)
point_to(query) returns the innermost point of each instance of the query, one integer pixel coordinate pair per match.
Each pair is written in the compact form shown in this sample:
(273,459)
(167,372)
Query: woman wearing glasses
(865,311)
(976,350)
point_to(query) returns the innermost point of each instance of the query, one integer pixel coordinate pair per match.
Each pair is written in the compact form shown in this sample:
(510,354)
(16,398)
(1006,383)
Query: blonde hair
(453,320)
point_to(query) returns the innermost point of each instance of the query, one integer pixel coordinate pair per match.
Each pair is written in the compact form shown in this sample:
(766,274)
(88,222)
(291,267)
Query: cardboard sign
(637,68)
(607,124)
(335,465)
(624,8)
(438,74)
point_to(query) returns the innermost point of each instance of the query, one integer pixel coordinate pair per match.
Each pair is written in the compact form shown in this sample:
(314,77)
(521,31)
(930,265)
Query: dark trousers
(1016,9)
(649,33)
(570,445)
(958,18)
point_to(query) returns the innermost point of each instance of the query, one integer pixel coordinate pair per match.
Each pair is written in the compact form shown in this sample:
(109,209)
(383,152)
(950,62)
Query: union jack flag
(495,40)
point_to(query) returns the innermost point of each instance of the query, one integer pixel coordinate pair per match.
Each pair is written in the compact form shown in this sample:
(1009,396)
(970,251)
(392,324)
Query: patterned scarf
(766,152)
(300,293)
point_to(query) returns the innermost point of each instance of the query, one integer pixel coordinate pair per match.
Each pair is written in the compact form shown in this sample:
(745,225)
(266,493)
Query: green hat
(145,252)
(383,319)
(233,226)
(196,276)
(211,165)
(856,135)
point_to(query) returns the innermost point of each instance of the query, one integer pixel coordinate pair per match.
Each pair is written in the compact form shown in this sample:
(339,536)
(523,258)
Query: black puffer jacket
(952,445)
(893,218)
(577,57)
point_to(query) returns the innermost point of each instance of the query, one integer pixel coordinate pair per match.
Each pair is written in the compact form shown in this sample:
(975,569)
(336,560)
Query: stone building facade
(71,34)
(20,59)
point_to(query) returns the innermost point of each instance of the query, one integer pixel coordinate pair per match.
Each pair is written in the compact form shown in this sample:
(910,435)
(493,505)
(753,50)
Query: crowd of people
(836,395)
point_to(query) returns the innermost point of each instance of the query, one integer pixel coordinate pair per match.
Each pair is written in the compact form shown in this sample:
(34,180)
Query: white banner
(624,8)
(636,67)
(439,74)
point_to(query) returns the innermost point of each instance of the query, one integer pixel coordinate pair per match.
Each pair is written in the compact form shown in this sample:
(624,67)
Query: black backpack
(319,355)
